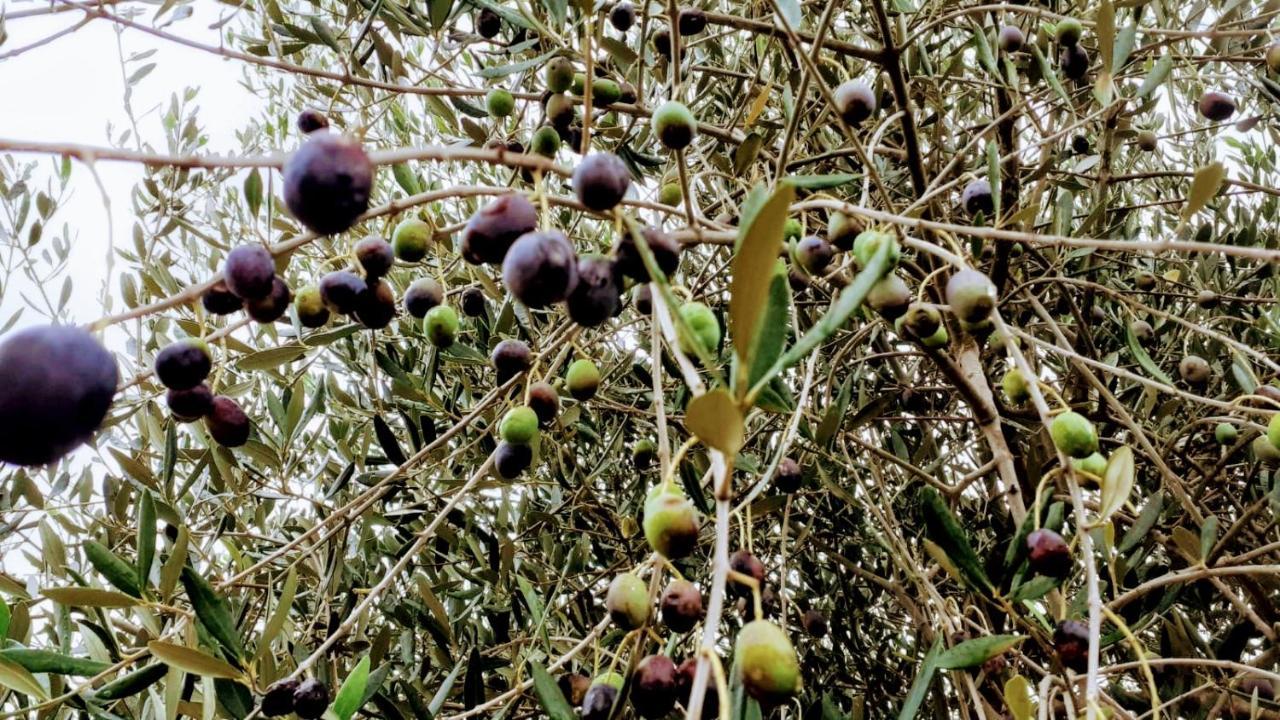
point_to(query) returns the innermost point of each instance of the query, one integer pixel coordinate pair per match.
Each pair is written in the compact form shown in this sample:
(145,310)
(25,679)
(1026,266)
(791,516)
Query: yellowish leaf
(1017,697)
(940,556)
(752,269)
(19,679)
(715,419)
(192,660)
(1204,186)
(1106,29)
(89,597)
(758,106)
(1117,483)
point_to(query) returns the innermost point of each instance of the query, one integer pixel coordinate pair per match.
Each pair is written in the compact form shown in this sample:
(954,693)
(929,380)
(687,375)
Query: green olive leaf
(754,262)
(1117,482)
(972,653)
(714,417)
(193,661)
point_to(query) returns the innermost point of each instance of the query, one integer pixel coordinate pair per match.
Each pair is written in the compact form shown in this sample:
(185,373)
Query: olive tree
(890,358)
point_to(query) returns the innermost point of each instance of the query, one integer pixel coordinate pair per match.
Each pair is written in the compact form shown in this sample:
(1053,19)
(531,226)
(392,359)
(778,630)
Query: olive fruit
(842,230)
(792,229)
(1225,433)
(921,321)
(377,306)
(814,254)
(545,141)
(311,120)
(653,686)
(540,268)
(681,605)
(340,291)
(598,703)
(499,103)
(510,358)
(375,256)
(1071,644)
(441,325)
(622,16)
(744,563)
(605,92)
(327,183)
(272,307)
(691,21)
(1073,434)
(1094,464)
(670,523)
(1068,32)
(545,402)
(422,295)
(855,101)
(1273,57)
(627,93)
(1014,384)
(519,426)
(1074,61)
(490,232)
(511,459)
(665,249)
(642,454)
(1048,553)
(1080,145)
(1011,39)
(248,272)
(1264,451)
(788,476)
(560,113)
(219,300)
(627,601)
(706,329)
(685,675)
(670,194)
(278,700)
(971,295)
(310,699)
(662,42)
(1146,140)
(488,23)
(1145,281)
(976,198)
(868,243)
(764,656)
(582,379)
(600,181)
(1207,299)
(310,307)
(472,302)
(559,74)
(814,623)
(1261,687)
(183,364)
(1217,106)
(1273,430)
(227,423)
(410,238)
(1142,330)
(58,384)
(598,294)
(574,687)
(191,404)
(674,125)
(890,297)
(1194,370)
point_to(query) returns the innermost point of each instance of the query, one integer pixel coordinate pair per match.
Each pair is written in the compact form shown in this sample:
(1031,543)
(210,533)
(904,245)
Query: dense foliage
(892,358)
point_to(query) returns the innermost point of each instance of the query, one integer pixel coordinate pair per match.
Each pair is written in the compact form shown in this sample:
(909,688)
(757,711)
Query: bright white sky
(70,90)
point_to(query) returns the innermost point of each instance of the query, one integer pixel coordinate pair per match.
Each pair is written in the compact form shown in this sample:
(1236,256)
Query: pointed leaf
(714,417)
(1017,697)
(1117,482)
(347,701)
(132,683)
(1204,186)
(46,661)
(552,700)
(89,597)
(118,572)
(212,611)
(18,679)
(920,686)
(972,653)
(146,537)
(193,661)
(752,272)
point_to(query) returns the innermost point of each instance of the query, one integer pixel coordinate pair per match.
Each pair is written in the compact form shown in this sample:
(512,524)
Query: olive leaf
(1117,482)
(974,652)
(89,597)
(552,700)
(753,266)
(714,417)
(1017,697)
(1204,186)
(192,660)
(350,695)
